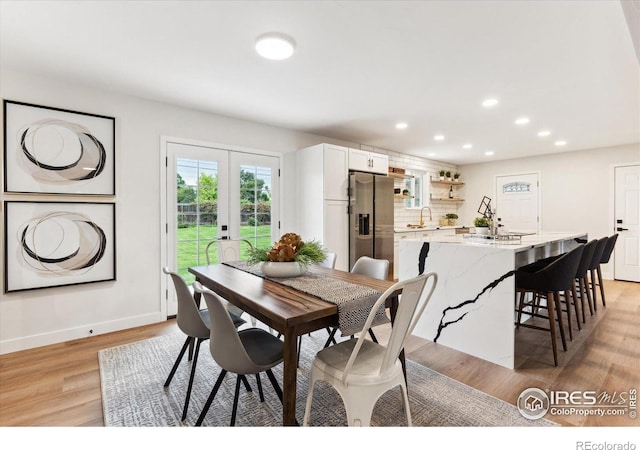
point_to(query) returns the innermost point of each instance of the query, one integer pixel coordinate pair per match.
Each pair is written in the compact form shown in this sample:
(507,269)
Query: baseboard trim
(69,334)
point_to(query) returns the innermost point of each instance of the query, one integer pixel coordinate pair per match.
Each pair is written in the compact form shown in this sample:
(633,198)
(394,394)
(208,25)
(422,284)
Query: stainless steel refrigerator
(370,217)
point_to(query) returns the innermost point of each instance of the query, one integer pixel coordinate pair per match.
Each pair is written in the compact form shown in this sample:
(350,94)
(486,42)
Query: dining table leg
(289,382)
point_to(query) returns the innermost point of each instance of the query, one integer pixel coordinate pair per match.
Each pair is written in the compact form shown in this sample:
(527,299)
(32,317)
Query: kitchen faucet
(422,221)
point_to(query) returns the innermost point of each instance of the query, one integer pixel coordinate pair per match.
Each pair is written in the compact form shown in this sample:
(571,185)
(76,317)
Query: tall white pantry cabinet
(322,179)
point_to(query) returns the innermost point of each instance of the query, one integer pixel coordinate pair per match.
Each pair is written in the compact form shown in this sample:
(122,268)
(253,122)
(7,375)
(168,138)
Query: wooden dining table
(284,309)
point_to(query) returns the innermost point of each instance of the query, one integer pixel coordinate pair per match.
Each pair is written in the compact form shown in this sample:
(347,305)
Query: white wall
(576,188)
(34,318)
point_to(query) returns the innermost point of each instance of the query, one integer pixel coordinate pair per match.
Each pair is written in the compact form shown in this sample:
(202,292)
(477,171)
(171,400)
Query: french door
(214,193)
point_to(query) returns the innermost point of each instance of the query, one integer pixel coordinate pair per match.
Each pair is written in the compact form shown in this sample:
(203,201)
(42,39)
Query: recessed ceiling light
(544,133)
(438,137)
(275,46)
(488,103)
(401,125)
(522,121)
(560,143)
(488,153)
(431,154)
(467,146)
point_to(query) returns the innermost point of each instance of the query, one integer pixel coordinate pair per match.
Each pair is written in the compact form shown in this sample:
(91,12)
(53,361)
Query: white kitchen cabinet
(365,161)
(322,179)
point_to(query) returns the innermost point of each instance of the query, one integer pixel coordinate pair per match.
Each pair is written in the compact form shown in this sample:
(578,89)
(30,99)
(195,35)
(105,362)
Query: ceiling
(359,67)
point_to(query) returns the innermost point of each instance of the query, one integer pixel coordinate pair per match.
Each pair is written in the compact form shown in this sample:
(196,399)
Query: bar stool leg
(552,329)
(584,290)
(567,301)
(575,296)
(553,297)
(599,272)
(594,295)
(569,294)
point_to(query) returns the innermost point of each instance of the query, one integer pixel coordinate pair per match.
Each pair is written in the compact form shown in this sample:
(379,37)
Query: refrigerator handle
(363,224)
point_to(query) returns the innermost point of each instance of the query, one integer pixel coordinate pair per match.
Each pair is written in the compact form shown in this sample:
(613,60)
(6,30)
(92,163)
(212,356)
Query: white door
(517,202)
(213,193)
(627,218)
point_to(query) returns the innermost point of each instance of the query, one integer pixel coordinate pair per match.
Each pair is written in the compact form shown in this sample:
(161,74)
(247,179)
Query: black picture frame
(51,150)
(54,244)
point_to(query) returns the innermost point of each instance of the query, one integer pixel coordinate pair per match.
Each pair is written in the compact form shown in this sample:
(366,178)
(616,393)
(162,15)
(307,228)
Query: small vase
(441,178)
(283,269)
(482,230)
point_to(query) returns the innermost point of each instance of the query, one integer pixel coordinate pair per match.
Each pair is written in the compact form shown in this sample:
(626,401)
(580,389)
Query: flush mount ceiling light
(275,46)
(489,153)
(401,125)
(438,137)
(490,102)
(560,143)
(522,121)
(467,146)
(544,133)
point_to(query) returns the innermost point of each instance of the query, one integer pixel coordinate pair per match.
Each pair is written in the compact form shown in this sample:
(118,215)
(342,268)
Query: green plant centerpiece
(289,257)
(481,224)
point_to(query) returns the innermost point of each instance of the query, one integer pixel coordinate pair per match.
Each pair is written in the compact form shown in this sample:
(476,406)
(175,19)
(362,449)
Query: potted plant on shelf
(482,225)
(451,218)
(448,175)
(289,257)
(442,175)
(456,177)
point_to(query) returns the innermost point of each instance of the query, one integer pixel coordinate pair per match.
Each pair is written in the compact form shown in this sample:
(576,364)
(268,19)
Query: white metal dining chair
(361,370)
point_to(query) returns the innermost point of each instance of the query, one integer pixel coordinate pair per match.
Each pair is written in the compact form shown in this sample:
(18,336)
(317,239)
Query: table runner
(354,301)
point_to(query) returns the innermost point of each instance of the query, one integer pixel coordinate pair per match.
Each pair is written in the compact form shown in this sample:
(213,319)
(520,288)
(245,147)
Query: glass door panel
(254,205)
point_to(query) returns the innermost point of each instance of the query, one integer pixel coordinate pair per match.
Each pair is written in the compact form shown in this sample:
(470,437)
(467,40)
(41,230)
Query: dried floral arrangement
(289,248)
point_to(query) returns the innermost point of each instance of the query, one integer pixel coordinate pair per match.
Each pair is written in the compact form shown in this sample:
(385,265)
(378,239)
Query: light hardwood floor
(59,385)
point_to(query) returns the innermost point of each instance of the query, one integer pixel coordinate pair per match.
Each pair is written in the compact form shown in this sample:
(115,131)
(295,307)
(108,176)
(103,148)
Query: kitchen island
(472,308)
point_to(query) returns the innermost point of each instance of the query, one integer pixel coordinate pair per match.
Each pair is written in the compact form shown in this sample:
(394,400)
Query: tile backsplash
(404,216)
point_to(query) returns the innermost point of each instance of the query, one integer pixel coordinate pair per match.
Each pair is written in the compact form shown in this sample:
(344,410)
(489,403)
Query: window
(415,186)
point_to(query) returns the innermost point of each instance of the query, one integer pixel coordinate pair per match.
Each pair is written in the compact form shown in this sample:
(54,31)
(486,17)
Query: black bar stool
(553,278)
(580,288)
(593,267)
(606,256)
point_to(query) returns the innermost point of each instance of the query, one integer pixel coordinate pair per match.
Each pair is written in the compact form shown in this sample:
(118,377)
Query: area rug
(132,378)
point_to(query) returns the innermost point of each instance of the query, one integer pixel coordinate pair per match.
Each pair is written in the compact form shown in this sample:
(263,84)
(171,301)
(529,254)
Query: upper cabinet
(365,161)
(324,168)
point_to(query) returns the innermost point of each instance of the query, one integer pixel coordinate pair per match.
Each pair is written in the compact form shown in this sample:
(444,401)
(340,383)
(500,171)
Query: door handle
(622,229)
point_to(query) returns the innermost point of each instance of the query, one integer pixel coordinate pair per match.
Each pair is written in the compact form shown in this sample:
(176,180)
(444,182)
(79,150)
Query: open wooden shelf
(451,200)
(403,196)
(447,183)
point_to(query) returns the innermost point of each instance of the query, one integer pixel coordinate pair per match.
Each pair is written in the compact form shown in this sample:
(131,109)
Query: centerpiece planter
(289,257)
(283,269)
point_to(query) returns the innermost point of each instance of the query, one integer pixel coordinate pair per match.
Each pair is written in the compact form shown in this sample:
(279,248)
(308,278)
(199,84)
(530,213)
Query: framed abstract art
(57,151)
(50,244)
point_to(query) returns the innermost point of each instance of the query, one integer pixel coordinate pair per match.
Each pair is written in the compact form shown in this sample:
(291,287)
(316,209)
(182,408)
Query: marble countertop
(525,242)
(427,228)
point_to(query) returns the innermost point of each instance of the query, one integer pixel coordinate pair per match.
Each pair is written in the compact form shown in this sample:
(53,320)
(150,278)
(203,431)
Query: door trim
(609,270)
(517,174)
(164,241)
